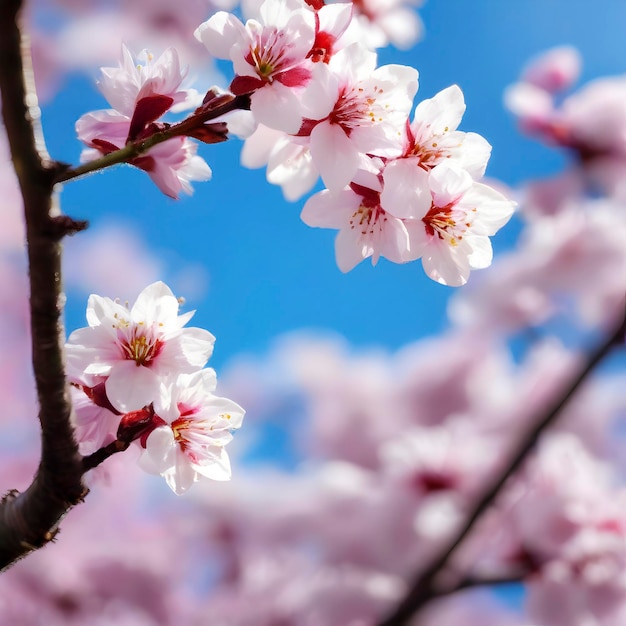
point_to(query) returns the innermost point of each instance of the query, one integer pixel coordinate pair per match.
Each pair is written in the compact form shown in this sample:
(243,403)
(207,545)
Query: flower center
(268,54)
(369,213)
(356,108)
(139,347)
(428,155)
(447,223)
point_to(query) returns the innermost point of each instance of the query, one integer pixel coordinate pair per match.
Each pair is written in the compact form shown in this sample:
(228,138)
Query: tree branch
(425,586)
(220,105)
(29,520)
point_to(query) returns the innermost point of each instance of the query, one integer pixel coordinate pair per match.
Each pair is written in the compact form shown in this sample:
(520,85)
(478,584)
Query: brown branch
(97,457)
(30,519)
(425,586)
(222,104)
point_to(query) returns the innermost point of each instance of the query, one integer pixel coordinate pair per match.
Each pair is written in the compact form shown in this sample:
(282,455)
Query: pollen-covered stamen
(448,223)
(139,345)
(370,215)
(430,152)
(268,55)
(356,108)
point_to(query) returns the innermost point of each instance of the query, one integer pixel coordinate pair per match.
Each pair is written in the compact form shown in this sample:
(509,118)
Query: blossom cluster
(138,376)
(140,94)
(394,188)
(321,107)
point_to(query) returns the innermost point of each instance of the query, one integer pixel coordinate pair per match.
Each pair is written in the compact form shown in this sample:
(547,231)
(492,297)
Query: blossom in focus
(269,57)
(432,137)
(171,165)
(352,108)
(140,95)
(157,79)
(195,425)
(452,236)
(331,22)
(442,216)
(135,348)
(365,228)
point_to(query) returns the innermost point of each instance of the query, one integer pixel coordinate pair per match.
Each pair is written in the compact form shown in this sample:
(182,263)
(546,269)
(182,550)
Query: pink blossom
(196,425)
(171,165)
(554,70)
(365,228)
(94,425)
(125,86)
(433,138)
(352,108)
(269,57)
(134,348)
(452,236)
(534,108)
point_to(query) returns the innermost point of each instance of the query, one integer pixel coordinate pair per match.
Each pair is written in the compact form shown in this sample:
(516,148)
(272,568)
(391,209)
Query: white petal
(130,387)
(448,183)
(155,304)
(394,241)
(482,252)
(159,455)
(441,113)
(278,107)
(196,345)
(320,95)
(446,266)
(351,249)
(334,155)
(218,468)
(180,477)
(406,192)
(225,409)
(220,33)
(330,210)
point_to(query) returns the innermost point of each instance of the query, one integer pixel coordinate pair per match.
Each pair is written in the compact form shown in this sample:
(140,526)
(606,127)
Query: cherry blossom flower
(171,165)
(365,228)
(140,95)
(158,80)
(452,236)
(95,420)
(135,348)
(352,108)
(269,57)
(195,427)
(433,138)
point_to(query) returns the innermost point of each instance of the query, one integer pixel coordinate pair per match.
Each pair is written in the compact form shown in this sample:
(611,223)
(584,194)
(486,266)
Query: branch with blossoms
(316,104)
(427,584)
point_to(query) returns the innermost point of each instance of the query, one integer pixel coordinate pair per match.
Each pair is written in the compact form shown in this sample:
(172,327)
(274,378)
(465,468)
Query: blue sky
(267,272)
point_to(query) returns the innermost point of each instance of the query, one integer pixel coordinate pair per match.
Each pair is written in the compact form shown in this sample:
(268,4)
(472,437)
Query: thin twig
(223,104)
(94,459)
(424,587)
